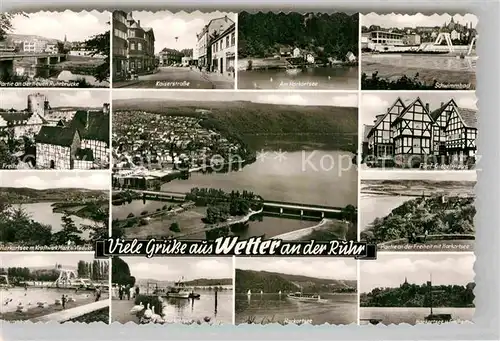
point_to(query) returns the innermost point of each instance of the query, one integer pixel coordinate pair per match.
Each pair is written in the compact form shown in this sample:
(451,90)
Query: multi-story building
(120,35)
(56,147)
(223,48)
(141,48)
(210,31)
(410,134)
(34,45)
(169,56)
(386,38)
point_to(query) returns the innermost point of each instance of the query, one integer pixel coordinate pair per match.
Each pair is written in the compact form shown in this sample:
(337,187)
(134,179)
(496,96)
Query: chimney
(87,122)
(139,23)
(105,108)
(427,107)
(225,18)
(46,105)
(442,103)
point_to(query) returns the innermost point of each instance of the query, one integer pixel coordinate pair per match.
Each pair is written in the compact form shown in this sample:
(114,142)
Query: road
(179,78)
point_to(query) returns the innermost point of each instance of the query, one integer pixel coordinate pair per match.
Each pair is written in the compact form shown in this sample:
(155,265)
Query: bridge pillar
(48,60)
(6,69)
(322,214)
(281,210)
(301,213)
(58,59)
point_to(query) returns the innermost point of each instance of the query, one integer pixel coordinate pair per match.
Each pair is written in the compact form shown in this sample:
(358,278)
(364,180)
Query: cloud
(172,269)
(391,270)
(282,99)
(45,260)
(17,99)
(97,180)
(405,20)
(313,267)
(350,100)
(77,26)
(177,31)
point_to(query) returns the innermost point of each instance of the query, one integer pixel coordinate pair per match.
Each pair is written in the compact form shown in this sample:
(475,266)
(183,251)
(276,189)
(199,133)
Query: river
(289,180)
(184,309)
(327,78)
(337,309)
(412,315)
(42,213)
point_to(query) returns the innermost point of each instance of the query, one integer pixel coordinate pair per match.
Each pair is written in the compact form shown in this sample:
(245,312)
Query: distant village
(42,137)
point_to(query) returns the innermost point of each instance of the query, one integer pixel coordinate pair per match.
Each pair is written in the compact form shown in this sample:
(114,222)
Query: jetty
(69,314)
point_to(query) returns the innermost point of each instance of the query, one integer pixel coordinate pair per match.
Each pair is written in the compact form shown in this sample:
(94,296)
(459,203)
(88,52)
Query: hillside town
(144,60)
(158,145)
(42,137)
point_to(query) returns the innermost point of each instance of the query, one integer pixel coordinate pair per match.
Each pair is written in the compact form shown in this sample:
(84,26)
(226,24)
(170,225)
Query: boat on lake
(300,297)
(179,290)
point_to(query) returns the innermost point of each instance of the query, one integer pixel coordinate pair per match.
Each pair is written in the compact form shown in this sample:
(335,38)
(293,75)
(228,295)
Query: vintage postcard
(418,52)
(424,211)
(419,130)
(54,129)
(172,290)
(298,51)
(244,164)
(55,49)
(53,211)
(432,288)
(296,291)
(197,51)
(45,287)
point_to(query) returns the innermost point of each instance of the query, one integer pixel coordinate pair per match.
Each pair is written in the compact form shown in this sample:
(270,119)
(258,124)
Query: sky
(18,98)
(399,20)
(411,174)
(77,26)
(325,268)
(166,26)
(94,180)
(49,259)
(299,98)
(173,268)
(389,270)
(373,104)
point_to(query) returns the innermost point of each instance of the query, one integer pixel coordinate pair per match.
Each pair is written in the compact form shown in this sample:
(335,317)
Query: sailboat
(249,292)
(436,318)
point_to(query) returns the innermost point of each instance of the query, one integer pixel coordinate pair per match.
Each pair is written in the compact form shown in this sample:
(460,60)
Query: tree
(6,158)
(6,23)
(99,44)
(82,269)
(100,229)
(174,227)
(69,232)
(120,272)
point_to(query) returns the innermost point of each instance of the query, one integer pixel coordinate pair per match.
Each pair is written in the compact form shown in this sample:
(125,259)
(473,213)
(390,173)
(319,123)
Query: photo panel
(163,290)
(297,291)
(244,163)
(197,51)
(418,211)
(54,129)
(417,288)
(49,49)
(54,287)
(53,211)
(298,51)
(419,131)
(418,52)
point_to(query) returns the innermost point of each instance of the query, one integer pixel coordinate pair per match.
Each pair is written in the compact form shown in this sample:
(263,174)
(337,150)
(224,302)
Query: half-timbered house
(56,147)
(410,134)
(21,123)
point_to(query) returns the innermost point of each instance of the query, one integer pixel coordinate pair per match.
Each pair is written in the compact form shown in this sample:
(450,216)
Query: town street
(184,76)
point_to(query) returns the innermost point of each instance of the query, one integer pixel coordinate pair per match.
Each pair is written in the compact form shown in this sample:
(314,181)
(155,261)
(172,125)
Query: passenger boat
(298,296)
(178,291)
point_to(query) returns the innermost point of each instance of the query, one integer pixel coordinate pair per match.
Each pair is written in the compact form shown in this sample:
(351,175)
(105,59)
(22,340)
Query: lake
(372,206)
(412,315)
(338,309)
(433,62)
(184,309)
(327,78)
(30,297)
(289,180)
(42,213)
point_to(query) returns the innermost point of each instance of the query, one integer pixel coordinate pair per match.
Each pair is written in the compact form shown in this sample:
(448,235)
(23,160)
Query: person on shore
(137,290)
(120,292)
(127,292)
(97,294)
(131,292)
(426,233)
(63,301)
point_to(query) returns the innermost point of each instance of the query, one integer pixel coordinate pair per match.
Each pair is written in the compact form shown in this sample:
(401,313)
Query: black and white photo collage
(295,126)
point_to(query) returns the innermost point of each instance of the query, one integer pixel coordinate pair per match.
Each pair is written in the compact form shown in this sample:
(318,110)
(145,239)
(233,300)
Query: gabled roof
(366,131)
(436,113)
(59,136)
(92,125)
(383,116)
(417,100)
(469,117)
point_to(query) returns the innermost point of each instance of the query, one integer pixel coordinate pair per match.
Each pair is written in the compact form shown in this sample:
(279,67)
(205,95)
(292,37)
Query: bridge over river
(7,60)
(271,208)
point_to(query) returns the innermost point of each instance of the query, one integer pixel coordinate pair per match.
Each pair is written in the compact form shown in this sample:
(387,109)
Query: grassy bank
(101,315)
